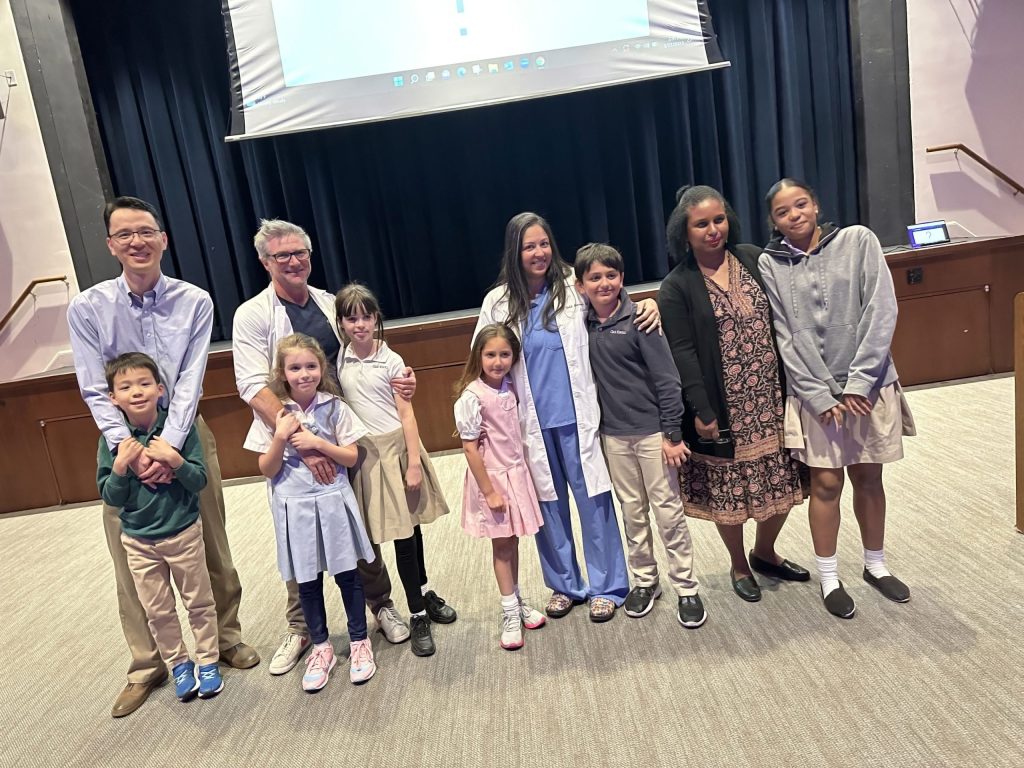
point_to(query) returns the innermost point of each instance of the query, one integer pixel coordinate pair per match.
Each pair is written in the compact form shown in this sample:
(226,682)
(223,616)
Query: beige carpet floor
(935,682)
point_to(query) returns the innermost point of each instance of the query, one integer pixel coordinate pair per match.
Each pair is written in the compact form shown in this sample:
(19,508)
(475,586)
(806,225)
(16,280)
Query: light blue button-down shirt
(171,323)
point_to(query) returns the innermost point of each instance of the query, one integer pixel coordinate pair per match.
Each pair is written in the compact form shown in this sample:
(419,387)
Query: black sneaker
(640,600)
(421,639)
(691,611)
(437,609)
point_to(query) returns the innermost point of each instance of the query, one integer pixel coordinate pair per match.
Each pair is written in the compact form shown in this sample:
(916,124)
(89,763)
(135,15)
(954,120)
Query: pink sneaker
(362,663)
(318,668)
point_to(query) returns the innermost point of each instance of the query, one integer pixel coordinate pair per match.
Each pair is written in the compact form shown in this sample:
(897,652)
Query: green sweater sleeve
(114,488)
(192,474)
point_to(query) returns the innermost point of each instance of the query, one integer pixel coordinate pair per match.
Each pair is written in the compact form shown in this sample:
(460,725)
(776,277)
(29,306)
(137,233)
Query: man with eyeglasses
(143,310)
(290,305)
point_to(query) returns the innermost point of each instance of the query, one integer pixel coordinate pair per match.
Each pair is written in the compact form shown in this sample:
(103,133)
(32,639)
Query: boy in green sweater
(160,526)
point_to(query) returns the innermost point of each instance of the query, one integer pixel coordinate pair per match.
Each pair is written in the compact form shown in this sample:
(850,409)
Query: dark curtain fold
(416,208)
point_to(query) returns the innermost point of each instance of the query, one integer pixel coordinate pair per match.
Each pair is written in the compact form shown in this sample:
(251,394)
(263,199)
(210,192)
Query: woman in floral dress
(718,322)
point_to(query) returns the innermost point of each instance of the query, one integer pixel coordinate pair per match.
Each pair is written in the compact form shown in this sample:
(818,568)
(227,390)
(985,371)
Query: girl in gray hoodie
(834,305)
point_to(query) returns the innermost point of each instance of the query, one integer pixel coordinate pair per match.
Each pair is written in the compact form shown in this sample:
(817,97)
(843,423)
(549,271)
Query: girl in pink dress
(499,501)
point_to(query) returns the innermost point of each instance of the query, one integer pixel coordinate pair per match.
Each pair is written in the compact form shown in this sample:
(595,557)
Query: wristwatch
(675,436)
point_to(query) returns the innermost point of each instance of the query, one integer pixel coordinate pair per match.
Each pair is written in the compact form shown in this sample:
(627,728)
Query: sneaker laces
(525,609)
(290,644)
(185,673)
(361,653)
(318,660)
(208,674)
(511,622)
(389,612)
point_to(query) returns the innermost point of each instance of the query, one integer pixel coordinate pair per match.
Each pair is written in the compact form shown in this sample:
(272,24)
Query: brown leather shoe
(240,656)
(133,696)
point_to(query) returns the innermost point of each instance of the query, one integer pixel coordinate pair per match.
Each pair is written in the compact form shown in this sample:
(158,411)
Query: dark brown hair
(357,299)
(596,253)
(514,280)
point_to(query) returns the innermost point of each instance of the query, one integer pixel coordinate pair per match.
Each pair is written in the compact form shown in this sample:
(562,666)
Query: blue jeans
(602,545)
(311,596)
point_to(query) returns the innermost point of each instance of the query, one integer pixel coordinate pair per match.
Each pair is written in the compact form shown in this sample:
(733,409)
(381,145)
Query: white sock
(828,573)
(874,562)
(509,604)
(324,644)
(425,588)
(421,613)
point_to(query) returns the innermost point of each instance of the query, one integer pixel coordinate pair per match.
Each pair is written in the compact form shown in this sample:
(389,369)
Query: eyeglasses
(285,256)
(146,234)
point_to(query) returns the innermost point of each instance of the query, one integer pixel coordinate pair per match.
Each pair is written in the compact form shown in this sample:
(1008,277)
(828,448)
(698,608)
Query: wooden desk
(956,308)
(956,321)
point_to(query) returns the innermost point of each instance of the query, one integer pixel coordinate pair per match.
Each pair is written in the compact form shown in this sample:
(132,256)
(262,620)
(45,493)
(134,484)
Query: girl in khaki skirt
(394,480)
(835,312)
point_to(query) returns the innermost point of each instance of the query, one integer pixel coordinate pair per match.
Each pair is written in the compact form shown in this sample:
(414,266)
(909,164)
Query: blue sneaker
(186,684)
(210,681)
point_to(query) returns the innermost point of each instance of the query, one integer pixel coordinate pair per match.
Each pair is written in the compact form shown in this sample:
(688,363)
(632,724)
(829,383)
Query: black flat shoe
(840,604)
(746,587)
(786,570)
(890,586)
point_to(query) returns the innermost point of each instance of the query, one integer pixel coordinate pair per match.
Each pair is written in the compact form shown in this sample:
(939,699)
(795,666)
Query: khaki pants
(376,588)
(146,664)
(153,564)
(643,482)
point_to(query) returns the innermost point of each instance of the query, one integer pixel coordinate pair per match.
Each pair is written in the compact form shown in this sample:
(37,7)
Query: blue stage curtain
(416,208)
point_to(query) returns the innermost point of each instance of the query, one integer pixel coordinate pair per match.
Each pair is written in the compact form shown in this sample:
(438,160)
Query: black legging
(411,569)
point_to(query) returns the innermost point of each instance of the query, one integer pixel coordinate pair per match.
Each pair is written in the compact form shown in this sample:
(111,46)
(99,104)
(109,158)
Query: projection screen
(299,65)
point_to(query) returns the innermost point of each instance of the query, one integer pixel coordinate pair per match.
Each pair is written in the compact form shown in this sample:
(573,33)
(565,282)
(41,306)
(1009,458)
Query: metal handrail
(980,160)
(28,292)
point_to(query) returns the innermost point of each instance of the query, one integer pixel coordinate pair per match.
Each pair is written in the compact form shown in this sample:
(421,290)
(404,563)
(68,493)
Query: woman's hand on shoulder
(648,316)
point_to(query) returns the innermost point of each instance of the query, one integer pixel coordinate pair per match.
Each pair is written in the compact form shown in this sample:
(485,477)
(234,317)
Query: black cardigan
(689,323)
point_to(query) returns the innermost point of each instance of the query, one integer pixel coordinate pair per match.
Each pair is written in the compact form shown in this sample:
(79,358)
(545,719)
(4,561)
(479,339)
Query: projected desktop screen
(303,64)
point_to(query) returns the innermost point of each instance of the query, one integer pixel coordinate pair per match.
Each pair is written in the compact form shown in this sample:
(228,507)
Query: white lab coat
(260,323)
(576,345)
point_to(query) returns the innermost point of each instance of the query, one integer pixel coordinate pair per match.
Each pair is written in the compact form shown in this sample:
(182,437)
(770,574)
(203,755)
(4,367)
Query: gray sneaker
(288,653)
(389,621)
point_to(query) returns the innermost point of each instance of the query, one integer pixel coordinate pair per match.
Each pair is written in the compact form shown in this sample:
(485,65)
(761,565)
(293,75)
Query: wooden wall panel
(48,451)
(955,325)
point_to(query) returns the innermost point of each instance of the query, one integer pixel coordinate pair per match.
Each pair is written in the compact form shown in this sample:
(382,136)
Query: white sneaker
(361,663)
(288,653)
(511,631)
(389,621)
(532,618)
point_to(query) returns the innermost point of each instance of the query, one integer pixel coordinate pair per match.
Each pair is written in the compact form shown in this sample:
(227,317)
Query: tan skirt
(873,439)
(389,509)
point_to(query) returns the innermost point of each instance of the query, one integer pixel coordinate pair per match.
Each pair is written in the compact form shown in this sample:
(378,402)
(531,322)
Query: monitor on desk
(928,233)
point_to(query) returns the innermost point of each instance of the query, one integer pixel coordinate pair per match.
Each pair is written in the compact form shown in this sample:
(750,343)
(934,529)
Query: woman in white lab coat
(559,415)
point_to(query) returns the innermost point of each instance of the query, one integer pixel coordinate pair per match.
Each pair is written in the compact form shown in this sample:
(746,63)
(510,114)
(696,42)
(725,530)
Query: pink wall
(967,86)
(32,240)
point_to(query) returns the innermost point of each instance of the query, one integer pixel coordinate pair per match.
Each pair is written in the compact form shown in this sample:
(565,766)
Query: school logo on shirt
(618,332)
